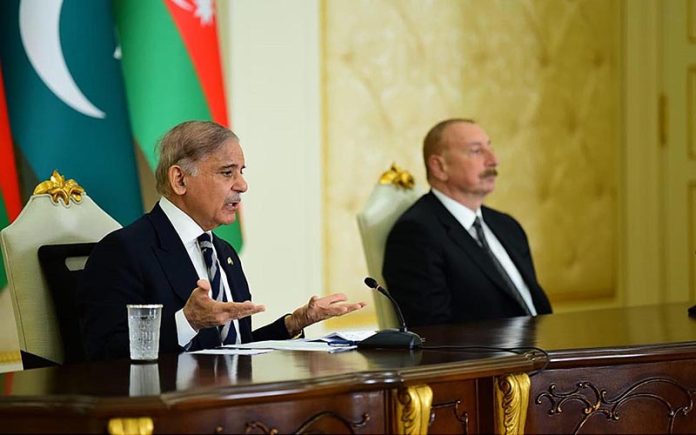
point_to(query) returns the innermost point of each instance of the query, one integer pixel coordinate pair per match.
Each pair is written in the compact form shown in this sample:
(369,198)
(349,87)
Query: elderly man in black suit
(449,258)
(170,256)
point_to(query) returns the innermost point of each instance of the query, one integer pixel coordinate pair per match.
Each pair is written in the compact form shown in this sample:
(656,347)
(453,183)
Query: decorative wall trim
(691,20)
(690,102)
(691,228)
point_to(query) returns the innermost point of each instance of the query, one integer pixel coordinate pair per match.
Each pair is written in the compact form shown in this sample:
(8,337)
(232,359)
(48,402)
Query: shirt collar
(187,229)
(464,215)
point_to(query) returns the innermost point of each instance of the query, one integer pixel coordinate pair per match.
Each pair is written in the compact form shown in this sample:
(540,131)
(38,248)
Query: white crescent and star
(39,28)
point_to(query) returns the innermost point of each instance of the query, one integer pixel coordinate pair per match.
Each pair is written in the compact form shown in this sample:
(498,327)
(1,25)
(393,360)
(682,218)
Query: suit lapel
(504,240)
(523,266)
(229,262)
(470,246)
(172,256)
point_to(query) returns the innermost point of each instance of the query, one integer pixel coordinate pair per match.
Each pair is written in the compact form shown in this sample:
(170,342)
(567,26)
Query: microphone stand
(400,338)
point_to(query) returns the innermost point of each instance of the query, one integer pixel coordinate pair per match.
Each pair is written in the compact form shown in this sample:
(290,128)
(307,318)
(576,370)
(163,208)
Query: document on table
(339,341)
(230,351)
(300,344)
(346,337)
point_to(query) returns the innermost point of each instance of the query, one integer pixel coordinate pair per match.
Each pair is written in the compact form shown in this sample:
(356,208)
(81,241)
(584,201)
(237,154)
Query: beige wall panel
(691,111)
(691,19)
(541,76)
(692,240)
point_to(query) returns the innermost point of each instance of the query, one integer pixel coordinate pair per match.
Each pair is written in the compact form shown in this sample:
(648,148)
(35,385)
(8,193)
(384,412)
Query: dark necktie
(501,270)
(228,333)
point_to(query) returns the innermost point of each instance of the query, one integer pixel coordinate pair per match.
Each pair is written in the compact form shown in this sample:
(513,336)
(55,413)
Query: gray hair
(185,145)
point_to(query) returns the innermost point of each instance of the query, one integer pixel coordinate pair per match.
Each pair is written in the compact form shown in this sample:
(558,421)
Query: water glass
(144,331)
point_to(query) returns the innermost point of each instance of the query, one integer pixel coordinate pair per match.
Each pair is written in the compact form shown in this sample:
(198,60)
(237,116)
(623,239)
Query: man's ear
(437,167)
(177,179)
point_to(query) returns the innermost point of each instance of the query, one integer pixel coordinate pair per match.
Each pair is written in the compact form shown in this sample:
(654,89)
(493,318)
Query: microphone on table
(400,338)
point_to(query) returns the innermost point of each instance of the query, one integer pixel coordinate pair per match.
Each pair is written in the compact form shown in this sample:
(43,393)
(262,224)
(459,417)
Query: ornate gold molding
(398,177)
(511,401)
(612,405)
(123,426)
(411,409)
(58,188)
(308,425)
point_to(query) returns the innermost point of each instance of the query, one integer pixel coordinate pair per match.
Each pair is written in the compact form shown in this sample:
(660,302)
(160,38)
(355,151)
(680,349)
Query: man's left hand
(318,309)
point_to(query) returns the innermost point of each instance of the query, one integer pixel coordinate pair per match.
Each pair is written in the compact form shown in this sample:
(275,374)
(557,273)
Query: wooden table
(624,370)
(628,370)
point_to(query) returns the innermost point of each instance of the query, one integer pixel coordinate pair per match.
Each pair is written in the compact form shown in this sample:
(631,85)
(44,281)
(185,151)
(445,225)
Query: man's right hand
(203,312)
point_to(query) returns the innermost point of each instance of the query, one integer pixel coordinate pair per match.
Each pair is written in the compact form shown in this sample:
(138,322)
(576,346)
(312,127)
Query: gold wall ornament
(511,401)
(138,426)
(58,188)
(398,177)
(411,409)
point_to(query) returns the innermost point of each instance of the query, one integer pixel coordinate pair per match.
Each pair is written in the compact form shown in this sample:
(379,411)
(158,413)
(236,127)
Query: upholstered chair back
(63,214)
(393,194)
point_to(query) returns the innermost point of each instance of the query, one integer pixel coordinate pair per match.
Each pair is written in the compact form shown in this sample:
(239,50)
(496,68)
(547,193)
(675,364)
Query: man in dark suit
(450,259)
(171,257)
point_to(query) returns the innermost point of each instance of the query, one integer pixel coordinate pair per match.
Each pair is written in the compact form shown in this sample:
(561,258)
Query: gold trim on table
(511,401)
(411,409)
(138,426)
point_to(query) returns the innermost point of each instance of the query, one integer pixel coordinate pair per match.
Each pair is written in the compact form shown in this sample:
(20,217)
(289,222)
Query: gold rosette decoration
(397,176)
(58,188)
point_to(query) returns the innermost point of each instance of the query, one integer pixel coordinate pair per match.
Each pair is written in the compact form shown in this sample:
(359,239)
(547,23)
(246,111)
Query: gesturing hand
(318,309)
(203,312)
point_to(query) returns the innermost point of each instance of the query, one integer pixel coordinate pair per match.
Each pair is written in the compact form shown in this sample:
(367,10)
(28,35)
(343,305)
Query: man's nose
(491,158)
(240,184)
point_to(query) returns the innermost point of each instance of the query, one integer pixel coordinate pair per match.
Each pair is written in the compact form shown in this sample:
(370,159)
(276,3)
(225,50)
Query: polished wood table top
(603,335)
(599,334)
(190,378)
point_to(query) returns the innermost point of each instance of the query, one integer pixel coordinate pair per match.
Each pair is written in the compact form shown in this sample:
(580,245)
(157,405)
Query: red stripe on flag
(199,33)
(8,172)
(7,388)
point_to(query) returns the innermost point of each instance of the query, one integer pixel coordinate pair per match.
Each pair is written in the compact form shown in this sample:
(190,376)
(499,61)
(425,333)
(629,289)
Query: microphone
(400,338)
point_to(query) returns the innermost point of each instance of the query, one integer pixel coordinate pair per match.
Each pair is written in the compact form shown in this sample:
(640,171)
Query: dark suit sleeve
(109,282)
(414,271)
(272,331)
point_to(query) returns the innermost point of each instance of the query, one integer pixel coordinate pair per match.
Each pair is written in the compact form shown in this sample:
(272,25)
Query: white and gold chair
(393,194)
(58,213)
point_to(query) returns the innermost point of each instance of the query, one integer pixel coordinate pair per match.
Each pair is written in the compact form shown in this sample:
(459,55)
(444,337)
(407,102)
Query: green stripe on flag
(161,83)
(162,86)
(4,221)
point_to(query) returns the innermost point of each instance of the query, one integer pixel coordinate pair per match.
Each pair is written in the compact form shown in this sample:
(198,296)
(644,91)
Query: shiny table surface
(600,334)
(604,335)
(188,378)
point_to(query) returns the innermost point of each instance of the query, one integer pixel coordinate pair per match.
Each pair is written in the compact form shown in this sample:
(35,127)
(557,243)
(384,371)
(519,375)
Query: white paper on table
(347,337)
(311,346)
(230,351)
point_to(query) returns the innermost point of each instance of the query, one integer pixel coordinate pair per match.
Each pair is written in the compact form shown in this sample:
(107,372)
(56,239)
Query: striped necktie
(515,293)
(228,333)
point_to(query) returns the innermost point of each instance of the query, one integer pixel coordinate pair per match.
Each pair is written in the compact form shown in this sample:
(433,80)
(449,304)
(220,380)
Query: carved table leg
(139,426)
(410,413)
(511,401)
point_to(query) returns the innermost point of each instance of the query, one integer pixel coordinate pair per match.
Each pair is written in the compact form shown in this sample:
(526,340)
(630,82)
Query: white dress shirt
(189,231)
(466,218)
